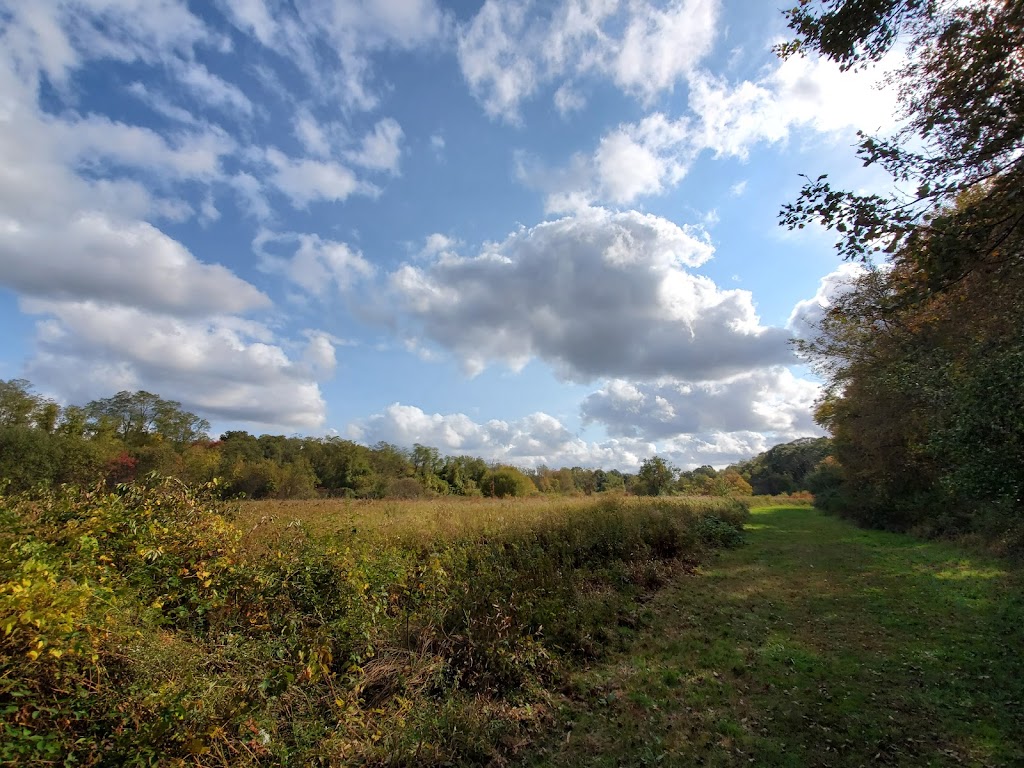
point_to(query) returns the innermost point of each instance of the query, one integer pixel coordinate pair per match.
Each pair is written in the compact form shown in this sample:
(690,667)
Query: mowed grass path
(816,643)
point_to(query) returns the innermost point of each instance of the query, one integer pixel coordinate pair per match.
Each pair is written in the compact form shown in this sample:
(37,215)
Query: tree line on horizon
(131,434)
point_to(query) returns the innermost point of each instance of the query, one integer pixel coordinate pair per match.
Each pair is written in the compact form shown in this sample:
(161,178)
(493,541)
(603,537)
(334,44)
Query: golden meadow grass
(449,517)
(155,626)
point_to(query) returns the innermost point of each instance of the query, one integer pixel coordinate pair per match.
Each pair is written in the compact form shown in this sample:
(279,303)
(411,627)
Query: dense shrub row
(142,627)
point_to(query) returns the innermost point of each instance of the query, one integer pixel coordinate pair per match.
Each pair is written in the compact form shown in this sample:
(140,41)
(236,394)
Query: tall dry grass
(154,626)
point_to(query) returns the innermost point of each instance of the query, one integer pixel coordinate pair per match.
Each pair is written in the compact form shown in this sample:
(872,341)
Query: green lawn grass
(817,643)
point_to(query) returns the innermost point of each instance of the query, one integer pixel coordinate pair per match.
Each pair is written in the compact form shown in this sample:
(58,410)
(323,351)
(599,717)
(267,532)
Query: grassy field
(444,518)
(815,644)
(153,626)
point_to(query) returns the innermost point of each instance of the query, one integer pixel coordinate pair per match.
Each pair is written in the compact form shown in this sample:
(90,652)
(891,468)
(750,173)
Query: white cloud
(251,197)
(121,304)
(542,439)
(305,180)
(491,54)
(510,49)
(54,38)
(66,235)
(640,159)
(94,140)
(316,265)
(568,100)
(381,148)
(806,315)
(737,189)
(319,354)
(214,90)
(253,17)
(436,244)
(208,212)
(646,158)
(528,442)
(596,294)
(768,400)
(799,93)
(331,41)
(92,256)
(162,105)
(313,137)
(220,366)
(661,46)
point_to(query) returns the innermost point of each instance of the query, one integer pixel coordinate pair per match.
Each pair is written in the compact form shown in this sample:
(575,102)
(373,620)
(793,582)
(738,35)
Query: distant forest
(132,434)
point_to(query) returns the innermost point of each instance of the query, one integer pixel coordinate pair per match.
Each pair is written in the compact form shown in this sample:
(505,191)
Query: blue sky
(535,232)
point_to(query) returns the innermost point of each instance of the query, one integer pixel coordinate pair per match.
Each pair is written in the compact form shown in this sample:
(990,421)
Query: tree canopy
(924,355)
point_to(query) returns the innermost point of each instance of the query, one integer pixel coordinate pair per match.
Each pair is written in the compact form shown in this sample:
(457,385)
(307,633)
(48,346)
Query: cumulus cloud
(437,244)
(509,49)
(568,100)
(725,118)
(133,263)
(542,439)
(120,303)
(768,400)
(381,148)
(305,180)
(528,442)
(221,366)
(806,315)
(314,264)
(662,45)
(596,294)
(66,235)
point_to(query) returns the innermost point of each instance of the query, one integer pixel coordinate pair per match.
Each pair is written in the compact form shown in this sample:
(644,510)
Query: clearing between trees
(817,643)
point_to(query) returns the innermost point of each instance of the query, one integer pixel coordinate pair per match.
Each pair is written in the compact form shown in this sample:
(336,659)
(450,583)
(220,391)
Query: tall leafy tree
(924,357)
(962,96)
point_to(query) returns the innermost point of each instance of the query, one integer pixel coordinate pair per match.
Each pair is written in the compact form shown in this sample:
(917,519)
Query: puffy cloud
(645,158)
(437,244)
(510,49)
(597,294)
(806,315)
(92,256)
(769,400)
(220,366)
(719,449)
(65,235)
(121,304)
(528,442)
(637,160)
(316,265)
(542,439)
(661,46)
(568,100)
(305,180)
(381,148)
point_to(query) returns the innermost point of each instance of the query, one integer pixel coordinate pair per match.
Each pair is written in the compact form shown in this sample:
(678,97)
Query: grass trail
(817,643)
